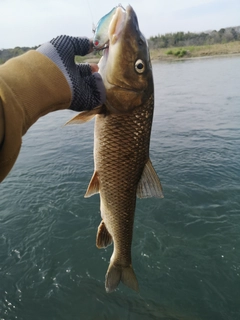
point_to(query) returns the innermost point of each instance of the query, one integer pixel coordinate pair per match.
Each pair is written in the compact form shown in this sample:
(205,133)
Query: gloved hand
(86,85)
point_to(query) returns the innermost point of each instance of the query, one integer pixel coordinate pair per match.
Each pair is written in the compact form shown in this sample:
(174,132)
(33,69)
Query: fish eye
(139,66)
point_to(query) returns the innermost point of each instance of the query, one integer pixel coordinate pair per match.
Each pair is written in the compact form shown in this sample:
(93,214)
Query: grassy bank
(195,51)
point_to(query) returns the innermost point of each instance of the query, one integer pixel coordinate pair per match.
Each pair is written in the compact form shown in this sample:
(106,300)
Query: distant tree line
(178,39)
(182,39)
(6,54)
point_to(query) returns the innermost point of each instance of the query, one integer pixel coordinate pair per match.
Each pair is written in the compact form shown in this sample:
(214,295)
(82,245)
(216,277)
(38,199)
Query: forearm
(30,87)
(1,125)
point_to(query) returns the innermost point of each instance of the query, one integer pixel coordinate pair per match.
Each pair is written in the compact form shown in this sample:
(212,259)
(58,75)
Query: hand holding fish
(86,84)
(42,81)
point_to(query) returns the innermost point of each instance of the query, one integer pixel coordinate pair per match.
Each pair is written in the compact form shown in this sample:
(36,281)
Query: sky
(27,23)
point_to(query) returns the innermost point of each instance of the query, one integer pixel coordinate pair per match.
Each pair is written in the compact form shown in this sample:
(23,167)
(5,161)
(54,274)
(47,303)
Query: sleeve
(31,86)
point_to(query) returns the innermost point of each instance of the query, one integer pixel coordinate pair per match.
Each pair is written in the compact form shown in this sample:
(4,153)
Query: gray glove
(87,88)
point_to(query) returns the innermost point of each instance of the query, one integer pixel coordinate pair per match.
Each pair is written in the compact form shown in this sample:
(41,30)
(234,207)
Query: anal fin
(149,184)
(104,238)
(93,186)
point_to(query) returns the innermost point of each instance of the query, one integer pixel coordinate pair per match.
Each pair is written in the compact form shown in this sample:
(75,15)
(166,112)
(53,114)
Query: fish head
(125,66)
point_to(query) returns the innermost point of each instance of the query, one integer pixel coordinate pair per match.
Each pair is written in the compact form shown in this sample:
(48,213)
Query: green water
(186,247)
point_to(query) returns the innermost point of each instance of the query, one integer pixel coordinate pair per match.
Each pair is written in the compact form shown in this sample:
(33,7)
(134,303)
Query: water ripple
(185,246)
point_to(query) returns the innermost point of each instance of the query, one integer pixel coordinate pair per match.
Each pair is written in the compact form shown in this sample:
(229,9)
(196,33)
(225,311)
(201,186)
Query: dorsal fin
(149,184)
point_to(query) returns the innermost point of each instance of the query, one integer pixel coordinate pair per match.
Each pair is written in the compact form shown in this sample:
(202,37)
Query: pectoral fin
(84,116)
(104,238)
(149,184)
(93,186)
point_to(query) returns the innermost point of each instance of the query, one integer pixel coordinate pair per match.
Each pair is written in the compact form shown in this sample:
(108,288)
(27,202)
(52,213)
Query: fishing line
(93,24)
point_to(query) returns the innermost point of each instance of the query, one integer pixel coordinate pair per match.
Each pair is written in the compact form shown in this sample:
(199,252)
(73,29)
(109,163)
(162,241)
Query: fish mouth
(117,24)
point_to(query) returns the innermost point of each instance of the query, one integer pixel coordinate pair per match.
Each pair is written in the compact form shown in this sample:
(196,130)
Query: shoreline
(195,58)
(185,53)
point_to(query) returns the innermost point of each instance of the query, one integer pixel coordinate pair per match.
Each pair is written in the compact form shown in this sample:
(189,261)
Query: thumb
(86,69)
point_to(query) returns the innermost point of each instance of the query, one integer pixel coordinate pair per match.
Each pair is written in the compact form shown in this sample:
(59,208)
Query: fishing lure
(101,32)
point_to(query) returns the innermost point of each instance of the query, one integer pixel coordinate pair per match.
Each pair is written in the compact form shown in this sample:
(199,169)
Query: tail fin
(117,273)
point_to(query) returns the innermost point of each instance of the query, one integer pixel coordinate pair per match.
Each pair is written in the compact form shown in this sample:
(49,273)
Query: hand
(86,84)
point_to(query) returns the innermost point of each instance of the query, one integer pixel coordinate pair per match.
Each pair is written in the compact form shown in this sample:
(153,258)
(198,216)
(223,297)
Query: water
(186,247)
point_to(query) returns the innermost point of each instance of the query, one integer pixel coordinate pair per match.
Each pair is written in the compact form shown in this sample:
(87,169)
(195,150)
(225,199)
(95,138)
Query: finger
(84,69)
(91,45)
(100,87)
(72,45)
(81,46)
(94,67)
(96,87)
(89,93)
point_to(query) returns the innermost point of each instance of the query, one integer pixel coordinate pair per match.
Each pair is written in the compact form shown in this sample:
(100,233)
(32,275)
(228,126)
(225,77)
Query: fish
(122,168)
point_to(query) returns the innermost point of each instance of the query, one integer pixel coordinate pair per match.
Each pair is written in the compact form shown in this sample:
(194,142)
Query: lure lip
(105,46)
